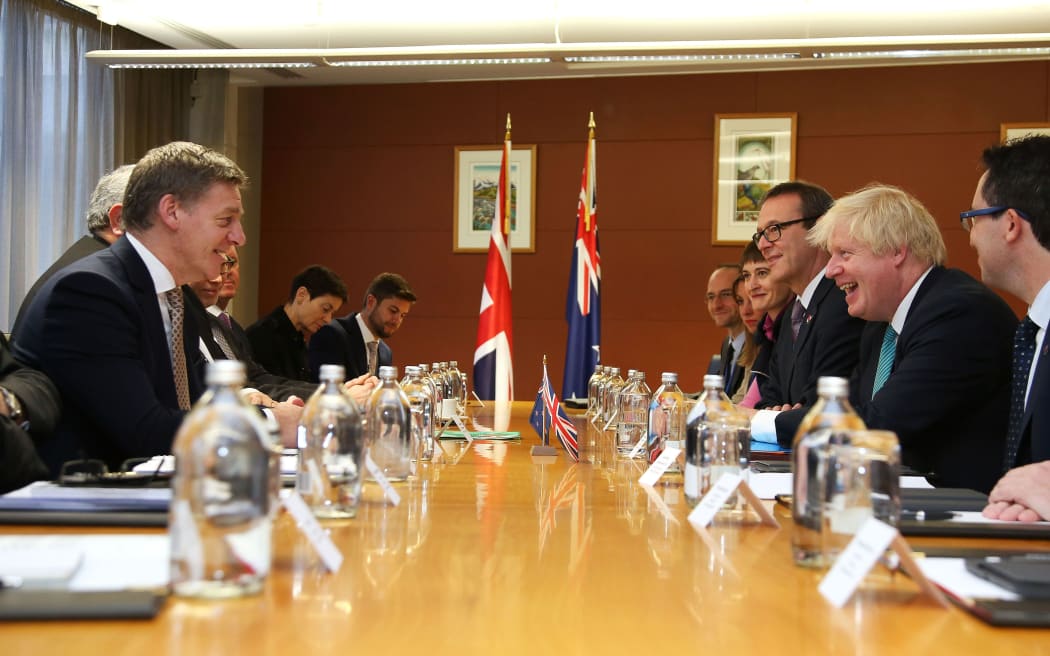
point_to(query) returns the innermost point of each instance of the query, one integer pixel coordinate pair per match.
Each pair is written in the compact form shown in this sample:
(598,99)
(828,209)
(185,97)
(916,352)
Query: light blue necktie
(886,354)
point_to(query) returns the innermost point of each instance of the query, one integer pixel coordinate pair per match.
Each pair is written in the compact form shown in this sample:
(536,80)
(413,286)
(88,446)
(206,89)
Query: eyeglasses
(725,295)
(228,265)
(967,218)
(773,231)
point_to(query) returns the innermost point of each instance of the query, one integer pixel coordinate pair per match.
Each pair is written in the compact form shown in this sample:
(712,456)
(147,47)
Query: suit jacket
(827,345)
(1035,425)
(732,385)
(948,394)
(341,342)
(83,247)
(40,403)
(274,386)
(97,332)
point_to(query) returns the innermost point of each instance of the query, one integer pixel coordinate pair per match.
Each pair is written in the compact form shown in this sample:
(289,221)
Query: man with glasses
(1009,226)
(931,355)
(818,337)
(722,306)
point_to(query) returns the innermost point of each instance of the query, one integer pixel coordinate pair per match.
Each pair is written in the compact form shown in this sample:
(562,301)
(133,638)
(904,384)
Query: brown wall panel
(361,179)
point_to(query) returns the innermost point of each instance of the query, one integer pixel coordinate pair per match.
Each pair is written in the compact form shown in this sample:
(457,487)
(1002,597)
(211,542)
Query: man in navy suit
(345,340)
(722,306)
(104,228)
(102,328)
(1009,226)
(931,356)
(817,336)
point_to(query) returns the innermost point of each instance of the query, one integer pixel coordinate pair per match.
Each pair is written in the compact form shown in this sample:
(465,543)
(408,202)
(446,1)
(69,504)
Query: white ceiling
(326,30)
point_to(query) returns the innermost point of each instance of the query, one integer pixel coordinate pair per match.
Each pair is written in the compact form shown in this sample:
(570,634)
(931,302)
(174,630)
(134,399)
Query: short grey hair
(108,192)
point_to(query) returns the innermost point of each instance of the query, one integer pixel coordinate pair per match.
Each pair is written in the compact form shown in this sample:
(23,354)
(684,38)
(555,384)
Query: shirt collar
(738,341)
(1039,311)
(162,278)
(366,334)
(811,288)
(902,310)
(214,310)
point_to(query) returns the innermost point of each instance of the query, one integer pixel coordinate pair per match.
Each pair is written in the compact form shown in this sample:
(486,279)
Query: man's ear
(167,208)
(116,225)
(370,303)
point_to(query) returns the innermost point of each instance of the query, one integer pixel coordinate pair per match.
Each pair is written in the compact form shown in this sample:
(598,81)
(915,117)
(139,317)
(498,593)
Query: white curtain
(56,138)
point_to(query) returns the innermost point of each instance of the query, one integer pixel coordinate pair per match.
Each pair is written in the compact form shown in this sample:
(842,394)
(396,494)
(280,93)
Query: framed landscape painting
(477,177)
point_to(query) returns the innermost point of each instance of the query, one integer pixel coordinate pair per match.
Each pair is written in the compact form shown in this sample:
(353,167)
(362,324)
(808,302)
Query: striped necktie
(886,355)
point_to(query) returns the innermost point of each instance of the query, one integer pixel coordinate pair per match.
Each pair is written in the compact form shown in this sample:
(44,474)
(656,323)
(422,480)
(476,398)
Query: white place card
(638,446)
(314,532)
(715,498)
(719,494)
(463,428)
(854,563)
(388,490)
(657,469)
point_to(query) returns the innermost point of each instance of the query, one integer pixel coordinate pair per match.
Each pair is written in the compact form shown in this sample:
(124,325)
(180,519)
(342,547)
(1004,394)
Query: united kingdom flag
(583,304)
(493,366)
(547,415)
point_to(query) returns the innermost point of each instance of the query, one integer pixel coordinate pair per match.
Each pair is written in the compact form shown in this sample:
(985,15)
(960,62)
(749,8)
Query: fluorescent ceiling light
(678,59)
(490,61)
(925,53)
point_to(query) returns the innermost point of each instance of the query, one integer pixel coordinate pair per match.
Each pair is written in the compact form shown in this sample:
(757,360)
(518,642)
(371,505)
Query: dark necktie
(1024,351)
(886,355)
(225,319)
(178,352)
(220,338)
(798,315)
(727,370)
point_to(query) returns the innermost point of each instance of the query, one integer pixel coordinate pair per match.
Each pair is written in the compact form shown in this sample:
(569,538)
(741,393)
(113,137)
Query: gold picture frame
(753,152)
(477,174)
(1009,131)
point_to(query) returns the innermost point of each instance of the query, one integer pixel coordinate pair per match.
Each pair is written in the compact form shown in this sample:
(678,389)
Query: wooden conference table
(498,554)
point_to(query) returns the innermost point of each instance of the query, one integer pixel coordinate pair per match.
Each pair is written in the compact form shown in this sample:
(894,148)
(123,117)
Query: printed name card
(388,490)
(314,532)
(638,446)
(657,469)
(719,494)
(463,429)
(863,551)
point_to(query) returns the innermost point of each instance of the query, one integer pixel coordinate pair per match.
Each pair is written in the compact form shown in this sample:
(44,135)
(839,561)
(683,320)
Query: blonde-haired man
(931,357)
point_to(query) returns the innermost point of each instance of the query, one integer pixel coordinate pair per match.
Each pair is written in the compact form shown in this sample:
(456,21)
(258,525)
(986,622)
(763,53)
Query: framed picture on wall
(1009,131)
(477,176)
(753,152)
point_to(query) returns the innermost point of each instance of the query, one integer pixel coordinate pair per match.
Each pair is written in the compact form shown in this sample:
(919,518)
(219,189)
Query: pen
(927,516)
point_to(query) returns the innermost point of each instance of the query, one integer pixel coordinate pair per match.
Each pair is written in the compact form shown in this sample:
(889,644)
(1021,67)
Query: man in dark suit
(355,341)
(817,336)
(1009,226)
(931,364)
(722,306)
(29,409)
(105,329)
(104,228)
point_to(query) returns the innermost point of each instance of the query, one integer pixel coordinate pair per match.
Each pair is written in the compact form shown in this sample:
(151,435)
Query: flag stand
(545,449)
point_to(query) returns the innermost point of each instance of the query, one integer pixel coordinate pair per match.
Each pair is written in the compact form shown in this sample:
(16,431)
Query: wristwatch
(14,408)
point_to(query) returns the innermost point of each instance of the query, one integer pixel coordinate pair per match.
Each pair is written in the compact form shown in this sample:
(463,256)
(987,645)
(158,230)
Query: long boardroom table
(495,552)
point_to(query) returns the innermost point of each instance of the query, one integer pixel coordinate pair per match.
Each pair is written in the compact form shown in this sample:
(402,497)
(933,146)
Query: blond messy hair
(883,218)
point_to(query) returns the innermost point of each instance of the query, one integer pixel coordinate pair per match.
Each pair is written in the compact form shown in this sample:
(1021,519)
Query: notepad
(482,435)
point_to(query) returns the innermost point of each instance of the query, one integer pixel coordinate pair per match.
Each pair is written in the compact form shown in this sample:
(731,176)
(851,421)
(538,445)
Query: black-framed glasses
(228,265)
(773,231)
(967,218)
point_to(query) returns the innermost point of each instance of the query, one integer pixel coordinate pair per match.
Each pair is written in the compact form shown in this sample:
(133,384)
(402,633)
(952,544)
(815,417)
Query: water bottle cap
(454,364)
(832,386)
(332,372)
(640,375)
(225,372)
(614,371)
(669,377)
(423,367)
(412,371)
(631,373)
(388,373)
(599,369)
(714,380)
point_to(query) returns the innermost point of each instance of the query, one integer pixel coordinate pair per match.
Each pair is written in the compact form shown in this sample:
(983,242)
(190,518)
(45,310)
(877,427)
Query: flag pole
(545,449)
